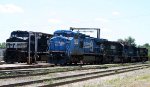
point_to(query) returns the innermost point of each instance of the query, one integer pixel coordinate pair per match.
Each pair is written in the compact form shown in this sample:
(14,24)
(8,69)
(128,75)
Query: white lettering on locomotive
(16,45)
(89,45)
(59,43)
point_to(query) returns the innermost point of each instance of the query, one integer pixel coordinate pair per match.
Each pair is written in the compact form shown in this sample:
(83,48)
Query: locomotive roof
(27,32)
(142,48)
(64,31)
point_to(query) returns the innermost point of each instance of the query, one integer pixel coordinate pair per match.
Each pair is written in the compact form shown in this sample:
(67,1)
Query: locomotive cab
(65,46)
(131,53)
(15,46)
(111,51)
(58,47)
(143,54)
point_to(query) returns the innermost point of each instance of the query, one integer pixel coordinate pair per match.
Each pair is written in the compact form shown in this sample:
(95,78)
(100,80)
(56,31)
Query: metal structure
(97,29)
(29,61)
(36,47)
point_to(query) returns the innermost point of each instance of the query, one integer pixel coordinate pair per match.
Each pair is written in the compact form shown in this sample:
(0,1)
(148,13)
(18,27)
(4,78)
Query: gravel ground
(99,81)
(120,80)
(51,75)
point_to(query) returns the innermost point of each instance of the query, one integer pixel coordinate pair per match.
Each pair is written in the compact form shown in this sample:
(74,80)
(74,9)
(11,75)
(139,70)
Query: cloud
(55,21)
(102,19)
(115,13)
(10,8)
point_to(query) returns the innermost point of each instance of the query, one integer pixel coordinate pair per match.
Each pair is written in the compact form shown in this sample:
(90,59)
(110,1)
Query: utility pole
(36,41)
(29,58)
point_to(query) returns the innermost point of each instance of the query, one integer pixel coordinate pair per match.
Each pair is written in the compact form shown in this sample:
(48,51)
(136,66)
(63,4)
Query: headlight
(76,41)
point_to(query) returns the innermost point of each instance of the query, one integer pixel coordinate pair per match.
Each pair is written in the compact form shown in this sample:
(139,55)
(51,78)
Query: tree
(128,41)
(3,45)
(146,45)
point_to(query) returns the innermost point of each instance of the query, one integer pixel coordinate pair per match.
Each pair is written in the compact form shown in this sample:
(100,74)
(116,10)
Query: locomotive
(67,46)
(64,45)
(143,54)
(24,43)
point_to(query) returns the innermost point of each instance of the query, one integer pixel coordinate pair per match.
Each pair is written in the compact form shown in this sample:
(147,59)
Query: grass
(144,78)
(50,81)
(128,81)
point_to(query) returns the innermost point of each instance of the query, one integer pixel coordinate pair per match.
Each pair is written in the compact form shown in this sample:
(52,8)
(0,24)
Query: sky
(116,18)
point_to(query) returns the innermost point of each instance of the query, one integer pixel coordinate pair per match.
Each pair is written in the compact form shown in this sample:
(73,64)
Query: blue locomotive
(67,46)
(73,47)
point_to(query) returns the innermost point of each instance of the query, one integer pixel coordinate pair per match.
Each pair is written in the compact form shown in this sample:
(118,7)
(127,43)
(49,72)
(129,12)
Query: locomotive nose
(16,43)
(57,44)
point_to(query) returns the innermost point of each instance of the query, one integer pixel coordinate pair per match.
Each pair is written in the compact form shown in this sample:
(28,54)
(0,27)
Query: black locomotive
(17,46)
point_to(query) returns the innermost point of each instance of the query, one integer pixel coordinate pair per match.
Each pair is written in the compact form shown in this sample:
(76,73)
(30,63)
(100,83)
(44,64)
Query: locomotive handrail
(98,30)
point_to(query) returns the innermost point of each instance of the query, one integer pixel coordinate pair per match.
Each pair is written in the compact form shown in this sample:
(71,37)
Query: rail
(58,81)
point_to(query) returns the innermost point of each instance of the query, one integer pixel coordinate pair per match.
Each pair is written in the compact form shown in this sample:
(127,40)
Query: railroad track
(35,72)
(41,71)
(62,80)
(14,73)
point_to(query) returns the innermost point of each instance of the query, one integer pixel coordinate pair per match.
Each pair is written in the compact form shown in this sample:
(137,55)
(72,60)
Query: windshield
(64,34)
(19,34)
